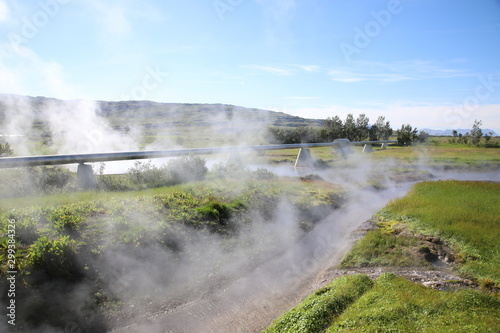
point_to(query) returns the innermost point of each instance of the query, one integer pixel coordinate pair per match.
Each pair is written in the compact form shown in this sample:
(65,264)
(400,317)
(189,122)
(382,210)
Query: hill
(154,115)
(131,125)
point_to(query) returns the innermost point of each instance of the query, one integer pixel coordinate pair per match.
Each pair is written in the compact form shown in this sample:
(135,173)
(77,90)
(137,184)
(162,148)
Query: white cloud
(273,70)
(4,11)
(287,70)
(112,16)
(395,72)
(25,72)
(301,97)
(309,68)
(116,17)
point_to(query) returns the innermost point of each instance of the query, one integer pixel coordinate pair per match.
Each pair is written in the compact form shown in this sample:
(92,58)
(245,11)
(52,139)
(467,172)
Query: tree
(406,135)
(362,127)
(423,137)
(455,134)
(350,127)
(476,133)
(466,138)
(5,150)
(373,133)
(488,136)
(333,128)
(384,130)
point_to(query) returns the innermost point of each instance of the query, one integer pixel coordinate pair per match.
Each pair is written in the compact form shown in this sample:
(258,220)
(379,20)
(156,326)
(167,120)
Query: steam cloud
(211,283)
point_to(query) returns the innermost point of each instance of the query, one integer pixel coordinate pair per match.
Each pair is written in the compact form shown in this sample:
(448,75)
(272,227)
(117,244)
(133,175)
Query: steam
(210,282)
(220,285)
(74,127)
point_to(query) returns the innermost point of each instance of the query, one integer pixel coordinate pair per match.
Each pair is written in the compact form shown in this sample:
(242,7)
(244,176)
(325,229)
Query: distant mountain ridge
(449,132)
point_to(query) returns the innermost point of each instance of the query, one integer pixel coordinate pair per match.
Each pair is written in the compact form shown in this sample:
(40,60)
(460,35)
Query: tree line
(354,129)
(474,136)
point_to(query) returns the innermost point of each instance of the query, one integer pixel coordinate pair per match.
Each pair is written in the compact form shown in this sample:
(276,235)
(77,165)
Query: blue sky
(429,63)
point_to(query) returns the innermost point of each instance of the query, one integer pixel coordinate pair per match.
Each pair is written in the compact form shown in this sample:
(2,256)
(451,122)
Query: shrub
(55,258)
(176,171)
(216,211)
(65,219)
(49,179)
(114,183)
(186,169)
(145,174)
(5,150)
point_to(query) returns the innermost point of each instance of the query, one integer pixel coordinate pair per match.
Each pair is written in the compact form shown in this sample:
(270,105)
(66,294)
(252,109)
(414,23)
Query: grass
(438,153)
(442,154)
(464,214)
(395,304)
(390,304)
(316,312)
(379,248)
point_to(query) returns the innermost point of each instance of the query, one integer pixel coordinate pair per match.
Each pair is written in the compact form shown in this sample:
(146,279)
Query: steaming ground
(250,298)
(258,292)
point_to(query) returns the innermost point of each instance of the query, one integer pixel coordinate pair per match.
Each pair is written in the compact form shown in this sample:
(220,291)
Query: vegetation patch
(465,215)
(454,222)
(65,239)
(382,248)
(416,231)
(318,310)
(389,304)
(395,304)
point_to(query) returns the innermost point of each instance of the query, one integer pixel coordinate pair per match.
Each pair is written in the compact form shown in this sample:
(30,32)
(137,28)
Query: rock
(469,282)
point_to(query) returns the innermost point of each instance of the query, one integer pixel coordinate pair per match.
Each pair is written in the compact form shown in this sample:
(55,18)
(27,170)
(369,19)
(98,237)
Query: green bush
(216,211)
(50,179)
(176,171)
(186,169)
(55,258)
(114,183)
(65,219)
(147,175)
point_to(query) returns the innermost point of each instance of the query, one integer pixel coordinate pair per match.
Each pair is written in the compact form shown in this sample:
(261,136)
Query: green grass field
(465,216)
(389,304)
(438,153)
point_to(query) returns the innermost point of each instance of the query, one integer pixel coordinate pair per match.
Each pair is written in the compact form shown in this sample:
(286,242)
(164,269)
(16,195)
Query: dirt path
(247,305)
